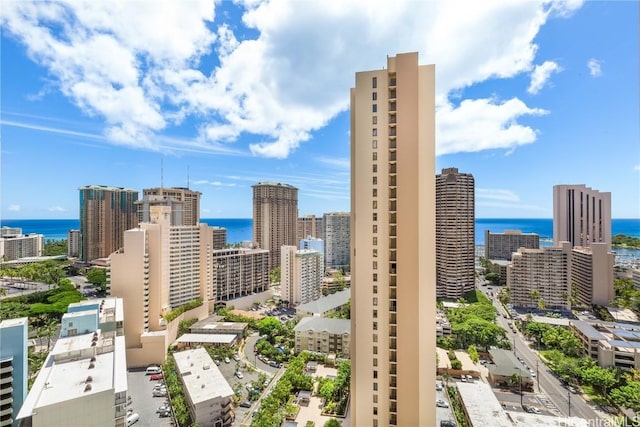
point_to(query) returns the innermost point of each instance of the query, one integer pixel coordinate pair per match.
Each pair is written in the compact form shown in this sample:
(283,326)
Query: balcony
(392,81)
(7,400)
(6,379)
(6,410)
(6,369)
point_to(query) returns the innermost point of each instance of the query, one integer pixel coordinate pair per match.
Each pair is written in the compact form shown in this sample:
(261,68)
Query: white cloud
(595,67)
(540,75)
(57,209)
(497,194)
(482,124)
(636,168)
(14,208)
(335,162)
(286,82)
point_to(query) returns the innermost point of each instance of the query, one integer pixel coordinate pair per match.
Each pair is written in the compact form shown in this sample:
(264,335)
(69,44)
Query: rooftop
(482,406)
(506,364)
(587,330)
(201,377)
(322,324)
(206,338)
(213,324)
(324,304)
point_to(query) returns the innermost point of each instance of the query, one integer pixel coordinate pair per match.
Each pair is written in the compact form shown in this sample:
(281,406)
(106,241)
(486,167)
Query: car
(155,377)
(165,414)
(239,374)
(245,404)
(159,393)
(163,407)
(265,383)
(572,389)
(274,364)
(132,419)
(217,362)
(441,403)
(153,369)
(463,378)
(438,386)
(283,317)
(227,360)
(236,357)
(533,374)
(447,423)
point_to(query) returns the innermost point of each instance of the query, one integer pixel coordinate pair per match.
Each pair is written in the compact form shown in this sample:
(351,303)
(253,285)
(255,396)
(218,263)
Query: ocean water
(241,229)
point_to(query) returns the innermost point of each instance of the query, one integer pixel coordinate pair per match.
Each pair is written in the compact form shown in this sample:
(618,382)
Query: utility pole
(569,394)
(538,375)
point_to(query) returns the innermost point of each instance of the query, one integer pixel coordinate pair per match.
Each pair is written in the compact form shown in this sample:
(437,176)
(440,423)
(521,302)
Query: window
(375,228)
(375,156)
(375,191)
(375,168)
(375,180)
(375,326)
(375,314)
(375,409)
(375,253)
(375,265)
(374,96)
(375,108)
(375,289)
(374,120)
(375,240)
(375,303)
(375,204)
(374,82)
(374,144)
(375,398)
(375,277)
(375,375)
(375,216)
(375,361)
(375,385)
(375,132)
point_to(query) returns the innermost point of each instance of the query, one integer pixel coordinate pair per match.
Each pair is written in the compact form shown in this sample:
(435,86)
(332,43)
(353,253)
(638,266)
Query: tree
(492,277)
(473,353)
(274,275)
(504,295)
(98,277)
(55,247)
(332,423)
(627,396)
(534,295)
(602,378)
(269,326)
(456,364)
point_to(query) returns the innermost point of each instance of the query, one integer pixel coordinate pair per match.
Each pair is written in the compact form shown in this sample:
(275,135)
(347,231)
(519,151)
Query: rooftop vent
(92,365)
(87,388)
(93,344)
(93,359)
(202,386)
(89,379)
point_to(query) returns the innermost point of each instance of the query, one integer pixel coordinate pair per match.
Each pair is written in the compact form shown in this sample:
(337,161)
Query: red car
(155,377)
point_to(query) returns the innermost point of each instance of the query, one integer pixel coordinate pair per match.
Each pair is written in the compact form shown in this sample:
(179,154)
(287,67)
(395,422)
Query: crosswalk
(547,403)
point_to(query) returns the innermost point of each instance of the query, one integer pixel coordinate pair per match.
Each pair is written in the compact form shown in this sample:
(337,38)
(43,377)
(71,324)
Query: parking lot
(142,401)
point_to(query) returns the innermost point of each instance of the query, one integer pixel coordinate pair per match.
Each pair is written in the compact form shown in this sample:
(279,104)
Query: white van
(133,418)
(153,370)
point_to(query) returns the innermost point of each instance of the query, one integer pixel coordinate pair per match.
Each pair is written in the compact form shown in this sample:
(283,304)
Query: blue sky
(227,94)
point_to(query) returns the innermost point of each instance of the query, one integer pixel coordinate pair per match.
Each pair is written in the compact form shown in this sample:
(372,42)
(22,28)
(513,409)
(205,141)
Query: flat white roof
(71,379)
(525,419)
(201,377)
(482,406)
(207,338)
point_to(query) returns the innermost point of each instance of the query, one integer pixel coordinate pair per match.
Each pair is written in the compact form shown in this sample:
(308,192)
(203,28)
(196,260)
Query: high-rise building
(393,338)
(219,237)
(73,243)
(309,225)
(592,275)
(15,245)
(455,233)
(185,204)
(275,214)
(581,215)
(105,214)
(541,277)
(83,381)
(238,272)
(160,268)
(337,240)
(301,275)
(14,367)
(500,246)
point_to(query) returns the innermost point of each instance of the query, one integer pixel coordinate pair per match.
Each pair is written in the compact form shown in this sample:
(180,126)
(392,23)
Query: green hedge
(178,311)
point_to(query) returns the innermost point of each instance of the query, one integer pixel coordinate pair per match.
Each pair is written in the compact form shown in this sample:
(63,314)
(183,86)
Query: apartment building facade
(393,244)
(581,215)
(337,240)
(592,275)
(323,335)
(309,225)
(73,243)
(15,245)
(541,277)
(239,272)
(275,214)
(105,214)
(184,203)
(14,368)
(500,246)
(455,233)
(301,275)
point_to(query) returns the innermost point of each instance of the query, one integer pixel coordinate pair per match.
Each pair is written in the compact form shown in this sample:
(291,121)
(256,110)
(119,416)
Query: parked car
(217,362)
(274,364)
(438,386)
(132,419)
(153,369)
(159,393)
(239,374)
(245,404)
(227,360)
(236,357)
(165,414)
(447,423)
(163,407)
(155,377)
(441,403)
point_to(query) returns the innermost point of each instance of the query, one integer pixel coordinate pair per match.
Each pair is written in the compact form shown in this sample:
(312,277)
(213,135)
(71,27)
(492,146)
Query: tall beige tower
(105,214)
(393,245)
(275,215)
(185,204)
(455,233)
(581,215)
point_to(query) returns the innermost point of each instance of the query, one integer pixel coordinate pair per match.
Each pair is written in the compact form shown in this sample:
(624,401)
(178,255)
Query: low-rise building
(323,335)
(324,305)
(443,326)
(610,344)
(83,381)
(506,368)
(208,395)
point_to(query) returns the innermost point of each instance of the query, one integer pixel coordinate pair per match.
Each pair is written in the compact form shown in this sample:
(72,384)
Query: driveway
(142,401)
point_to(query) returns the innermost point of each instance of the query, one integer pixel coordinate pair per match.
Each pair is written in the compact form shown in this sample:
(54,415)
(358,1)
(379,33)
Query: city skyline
(260,92)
